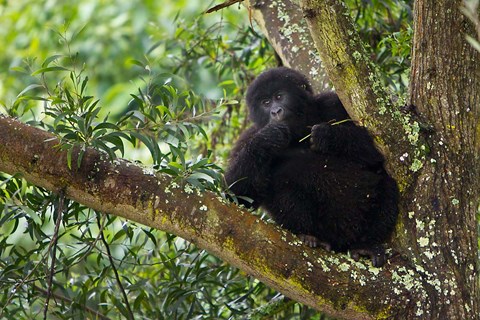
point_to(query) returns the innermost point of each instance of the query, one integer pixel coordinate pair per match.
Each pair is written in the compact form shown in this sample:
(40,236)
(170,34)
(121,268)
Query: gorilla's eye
(278,96)
(266,102)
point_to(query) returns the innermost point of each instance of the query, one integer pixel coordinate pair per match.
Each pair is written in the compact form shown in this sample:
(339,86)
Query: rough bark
(283,24)
(333,283)
(441,222)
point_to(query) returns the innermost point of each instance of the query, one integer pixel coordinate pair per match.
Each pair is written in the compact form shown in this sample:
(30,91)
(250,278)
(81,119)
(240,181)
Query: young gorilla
(332,189)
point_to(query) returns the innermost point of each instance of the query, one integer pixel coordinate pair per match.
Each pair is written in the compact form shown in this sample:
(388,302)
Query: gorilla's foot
(313,242)
(376,254)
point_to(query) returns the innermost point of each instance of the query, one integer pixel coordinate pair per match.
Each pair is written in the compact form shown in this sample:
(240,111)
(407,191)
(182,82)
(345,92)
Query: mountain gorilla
(332,189)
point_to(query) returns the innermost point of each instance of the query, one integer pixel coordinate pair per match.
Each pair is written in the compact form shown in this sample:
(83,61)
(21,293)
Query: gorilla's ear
(307,87)
(300,81)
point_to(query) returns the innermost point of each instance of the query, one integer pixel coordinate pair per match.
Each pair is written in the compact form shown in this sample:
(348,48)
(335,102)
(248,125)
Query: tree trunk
(439,220)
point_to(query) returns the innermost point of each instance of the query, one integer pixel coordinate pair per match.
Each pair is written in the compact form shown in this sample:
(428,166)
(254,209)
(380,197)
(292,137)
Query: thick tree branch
(333,283)
(283,24)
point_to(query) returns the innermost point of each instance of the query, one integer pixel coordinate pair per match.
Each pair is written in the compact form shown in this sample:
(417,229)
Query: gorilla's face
(279,107)
(279,95)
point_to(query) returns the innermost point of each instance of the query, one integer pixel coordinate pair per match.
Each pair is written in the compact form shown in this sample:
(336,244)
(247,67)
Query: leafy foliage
(385,25)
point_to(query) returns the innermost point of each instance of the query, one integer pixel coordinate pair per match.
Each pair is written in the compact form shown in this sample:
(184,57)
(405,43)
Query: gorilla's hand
(274,136)
(320,138)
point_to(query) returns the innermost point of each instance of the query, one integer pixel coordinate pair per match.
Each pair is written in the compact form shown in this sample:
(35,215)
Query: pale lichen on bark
(283,24)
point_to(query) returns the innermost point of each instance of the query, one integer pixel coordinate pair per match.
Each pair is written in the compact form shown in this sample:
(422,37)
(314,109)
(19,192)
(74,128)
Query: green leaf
(184,130)
(150,236)
(30,87)
(199,164)
(81,153)
(105,125)
(138,63)
(52,58)
(69,158)
(474,42)
(121,233)
(102,146)
(115,140)
(19,69)
(148,142)
(84,84)
(178,154)
(201,176)
(49,69)
(120,306)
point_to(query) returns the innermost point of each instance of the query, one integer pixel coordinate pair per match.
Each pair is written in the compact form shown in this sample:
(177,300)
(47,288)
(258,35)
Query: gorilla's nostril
(276,112)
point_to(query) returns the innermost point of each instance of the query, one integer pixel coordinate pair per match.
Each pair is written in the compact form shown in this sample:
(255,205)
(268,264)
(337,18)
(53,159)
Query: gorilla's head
(279,94)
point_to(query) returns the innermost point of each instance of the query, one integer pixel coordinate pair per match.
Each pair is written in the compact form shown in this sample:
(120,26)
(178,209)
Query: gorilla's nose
(276,113)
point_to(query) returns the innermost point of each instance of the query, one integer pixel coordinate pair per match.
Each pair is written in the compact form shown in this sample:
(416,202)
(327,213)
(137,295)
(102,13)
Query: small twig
(96,314)
(115,271)
(53,246)
(305,138)
(225,4)
(274,307)
(23,281)
(340,122)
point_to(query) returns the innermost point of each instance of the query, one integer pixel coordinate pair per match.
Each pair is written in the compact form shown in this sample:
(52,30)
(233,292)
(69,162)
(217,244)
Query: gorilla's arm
(335,134)
(250,166)
(346,140)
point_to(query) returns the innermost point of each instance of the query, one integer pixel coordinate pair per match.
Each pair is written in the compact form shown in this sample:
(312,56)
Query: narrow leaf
(49,69)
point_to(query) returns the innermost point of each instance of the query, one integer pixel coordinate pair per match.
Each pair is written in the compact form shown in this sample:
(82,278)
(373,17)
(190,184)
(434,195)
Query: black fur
(331,189)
